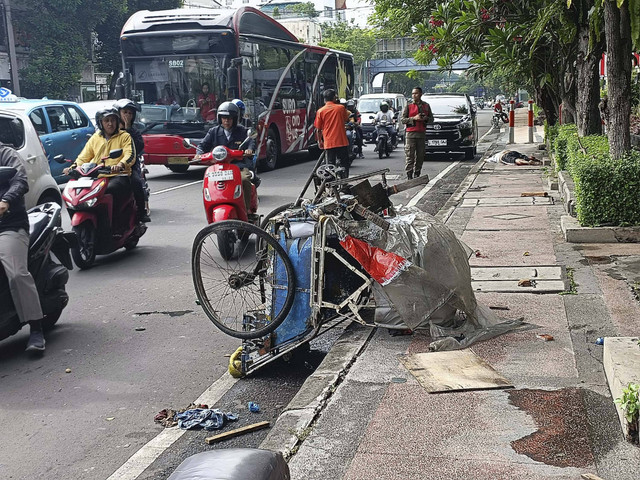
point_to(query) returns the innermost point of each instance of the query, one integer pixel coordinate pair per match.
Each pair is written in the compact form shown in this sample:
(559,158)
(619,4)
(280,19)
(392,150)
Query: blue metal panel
(298,321)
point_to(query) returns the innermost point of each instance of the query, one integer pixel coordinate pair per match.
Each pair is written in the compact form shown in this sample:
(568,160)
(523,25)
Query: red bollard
(512,121)
(530,113)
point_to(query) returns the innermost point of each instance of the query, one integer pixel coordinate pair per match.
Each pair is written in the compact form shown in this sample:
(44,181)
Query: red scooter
(222,192)
(93,217)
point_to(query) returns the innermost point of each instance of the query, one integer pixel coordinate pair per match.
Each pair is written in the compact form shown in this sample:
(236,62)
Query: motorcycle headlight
(219,153)
(93,192)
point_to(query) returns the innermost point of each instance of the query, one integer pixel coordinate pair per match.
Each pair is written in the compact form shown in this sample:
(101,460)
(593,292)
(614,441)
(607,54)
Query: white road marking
(175,188)
(418,196)
(148,454)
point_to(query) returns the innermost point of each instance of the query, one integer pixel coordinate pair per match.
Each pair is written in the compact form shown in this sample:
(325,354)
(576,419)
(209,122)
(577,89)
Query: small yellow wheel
(235,364)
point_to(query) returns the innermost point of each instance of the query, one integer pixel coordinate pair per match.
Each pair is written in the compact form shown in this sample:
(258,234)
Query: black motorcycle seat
(38,221)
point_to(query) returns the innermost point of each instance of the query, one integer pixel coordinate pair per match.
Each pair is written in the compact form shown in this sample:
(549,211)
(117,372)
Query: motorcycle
(93,218)
(351,136)
(222,191)
(497,118)
(384,145)
(481,103)
(45,237)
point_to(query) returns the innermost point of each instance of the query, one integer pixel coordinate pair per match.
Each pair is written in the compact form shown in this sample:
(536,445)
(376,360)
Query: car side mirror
(115,153)
(372,117)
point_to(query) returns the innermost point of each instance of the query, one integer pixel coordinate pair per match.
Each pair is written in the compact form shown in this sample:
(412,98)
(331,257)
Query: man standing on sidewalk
(332,136)
(415,116)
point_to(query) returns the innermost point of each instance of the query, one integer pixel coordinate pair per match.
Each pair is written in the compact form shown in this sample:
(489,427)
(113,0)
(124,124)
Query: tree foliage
(361,42)
(58,36)
(306,9)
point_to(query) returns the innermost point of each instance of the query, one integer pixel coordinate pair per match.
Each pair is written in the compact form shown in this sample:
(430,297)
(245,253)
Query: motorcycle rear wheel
(84,253)
(381,149)
(243,297)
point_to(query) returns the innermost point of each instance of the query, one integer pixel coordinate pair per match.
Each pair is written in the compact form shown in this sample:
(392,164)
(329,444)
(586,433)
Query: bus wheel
(178,168)
(273,152)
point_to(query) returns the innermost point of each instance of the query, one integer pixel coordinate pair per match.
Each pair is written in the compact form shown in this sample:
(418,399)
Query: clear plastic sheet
(435,290)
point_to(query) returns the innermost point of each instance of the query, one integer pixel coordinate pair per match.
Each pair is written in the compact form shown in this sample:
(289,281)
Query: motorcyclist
(356,118)
(110,137)
(242,120)
(14,248)
(386,114)
(230,134)
(128,110)
(497,108)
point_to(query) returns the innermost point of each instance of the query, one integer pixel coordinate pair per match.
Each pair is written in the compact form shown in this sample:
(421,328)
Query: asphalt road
(133,340)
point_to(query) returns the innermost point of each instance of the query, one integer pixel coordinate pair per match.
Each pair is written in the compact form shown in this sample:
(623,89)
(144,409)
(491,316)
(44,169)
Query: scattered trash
(534,194)
(110,418)
(166,416)
(398,380)
(480,255)
(253,407)
(68,370)
(600,341)
(545,337)
(238,431)
(498,307)
(526,282)
(140,329)
(205,418)
(526,254)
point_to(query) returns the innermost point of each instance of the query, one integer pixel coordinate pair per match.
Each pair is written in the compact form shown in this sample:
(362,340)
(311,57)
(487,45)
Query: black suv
(454,127)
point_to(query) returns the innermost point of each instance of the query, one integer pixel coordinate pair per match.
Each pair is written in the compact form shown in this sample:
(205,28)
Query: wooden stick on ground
(534,194)
(234,433)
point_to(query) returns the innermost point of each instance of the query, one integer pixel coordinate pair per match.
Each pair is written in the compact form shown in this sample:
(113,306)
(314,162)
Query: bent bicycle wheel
(250,294)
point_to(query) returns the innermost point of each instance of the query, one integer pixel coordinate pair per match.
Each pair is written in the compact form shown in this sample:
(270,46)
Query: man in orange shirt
(332,136)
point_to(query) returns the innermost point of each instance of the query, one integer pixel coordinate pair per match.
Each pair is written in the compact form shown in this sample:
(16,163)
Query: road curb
(575,233)
(294,423)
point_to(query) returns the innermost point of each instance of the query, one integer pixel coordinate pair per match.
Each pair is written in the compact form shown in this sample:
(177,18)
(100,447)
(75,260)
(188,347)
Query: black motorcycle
(45,237)
(384,144)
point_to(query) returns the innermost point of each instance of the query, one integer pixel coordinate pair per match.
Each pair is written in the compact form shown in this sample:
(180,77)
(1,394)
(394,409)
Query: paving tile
(508,248)
(509,218)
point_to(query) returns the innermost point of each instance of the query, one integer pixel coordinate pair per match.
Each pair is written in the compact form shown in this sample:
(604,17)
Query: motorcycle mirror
(59,159)
(252,133)
(186,143)
(7,173)
(115,153)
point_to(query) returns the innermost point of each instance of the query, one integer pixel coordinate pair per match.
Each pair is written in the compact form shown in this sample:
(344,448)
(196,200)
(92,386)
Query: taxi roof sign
(7,96)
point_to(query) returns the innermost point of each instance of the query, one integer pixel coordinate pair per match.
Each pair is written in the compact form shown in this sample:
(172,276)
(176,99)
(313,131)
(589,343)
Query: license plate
(83,182)
(177,160)
(437,143)
(221,175)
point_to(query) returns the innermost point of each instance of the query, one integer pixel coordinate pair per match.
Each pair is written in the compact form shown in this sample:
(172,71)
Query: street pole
(530,121)
(13,60)
(512,118)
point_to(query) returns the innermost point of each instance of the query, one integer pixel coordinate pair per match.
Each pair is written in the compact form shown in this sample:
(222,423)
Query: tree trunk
(587,69)
(544,99)
(618,35)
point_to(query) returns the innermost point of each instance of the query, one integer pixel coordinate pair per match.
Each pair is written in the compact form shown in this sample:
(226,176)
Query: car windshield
(447,105)
(370,105)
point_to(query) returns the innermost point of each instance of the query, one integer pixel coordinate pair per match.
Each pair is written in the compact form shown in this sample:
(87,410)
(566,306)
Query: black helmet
(126,103)
(228,109)
(104,113)
(384,106)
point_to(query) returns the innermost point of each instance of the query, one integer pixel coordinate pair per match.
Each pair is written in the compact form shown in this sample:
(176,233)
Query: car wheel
(178,168)
(273,152)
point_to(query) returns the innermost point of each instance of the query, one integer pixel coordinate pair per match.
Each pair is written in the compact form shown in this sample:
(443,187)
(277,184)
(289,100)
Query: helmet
(228,109)
(343,101)
(240,104)
(351,104)
(126,103)
(384,106)
(107,112)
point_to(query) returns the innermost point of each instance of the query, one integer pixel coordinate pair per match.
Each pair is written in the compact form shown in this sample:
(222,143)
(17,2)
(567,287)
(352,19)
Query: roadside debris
(527,282)
(238,431)
(140,329)
(600,341)
(546,337)
(206,418)
(166,416)
(253,407)
(534,194)
(479,254)
(68,370)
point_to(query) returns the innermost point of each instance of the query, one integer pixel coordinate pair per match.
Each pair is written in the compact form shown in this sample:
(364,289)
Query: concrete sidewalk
(370,419)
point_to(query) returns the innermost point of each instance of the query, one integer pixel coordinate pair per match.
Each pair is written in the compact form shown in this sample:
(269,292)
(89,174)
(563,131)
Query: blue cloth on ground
(206,418)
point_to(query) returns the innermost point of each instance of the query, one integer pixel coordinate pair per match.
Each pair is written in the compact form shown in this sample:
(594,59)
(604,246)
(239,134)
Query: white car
(17,131)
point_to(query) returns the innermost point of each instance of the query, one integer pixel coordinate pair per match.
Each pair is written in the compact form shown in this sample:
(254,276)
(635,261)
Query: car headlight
(465,124)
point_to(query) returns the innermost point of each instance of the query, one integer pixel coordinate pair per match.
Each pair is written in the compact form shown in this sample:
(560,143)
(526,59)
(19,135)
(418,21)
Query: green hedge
(607,191)
(550,134)
(560,144)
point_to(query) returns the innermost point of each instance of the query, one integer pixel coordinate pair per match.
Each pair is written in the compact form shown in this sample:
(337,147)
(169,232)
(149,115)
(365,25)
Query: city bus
(168,56)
